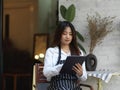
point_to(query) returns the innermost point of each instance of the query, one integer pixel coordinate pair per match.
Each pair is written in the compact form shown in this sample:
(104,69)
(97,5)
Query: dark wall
(1,61)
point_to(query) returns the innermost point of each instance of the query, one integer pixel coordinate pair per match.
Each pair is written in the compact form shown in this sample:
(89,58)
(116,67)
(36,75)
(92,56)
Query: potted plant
(98,28)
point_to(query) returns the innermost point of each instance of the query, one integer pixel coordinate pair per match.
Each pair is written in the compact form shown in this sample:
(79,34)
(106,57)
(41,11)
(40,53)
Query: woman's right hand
(78,69)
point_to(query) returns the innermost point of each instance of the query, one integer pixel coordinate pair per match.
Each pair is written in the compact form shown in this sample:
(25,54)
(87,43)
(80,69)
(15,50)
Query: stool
(14,76)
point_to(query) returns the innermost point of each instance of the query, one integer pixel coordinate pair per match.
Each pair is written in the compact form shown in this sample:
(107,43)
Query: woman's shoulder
(52,49)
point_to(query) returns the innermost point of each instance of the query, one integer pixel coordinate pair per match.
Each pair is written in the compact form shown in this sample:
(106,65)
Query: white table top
(105,75)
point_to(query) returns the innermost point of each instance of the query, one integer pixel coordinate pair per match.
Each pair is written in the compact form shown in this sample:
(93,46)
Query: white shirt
(50,68)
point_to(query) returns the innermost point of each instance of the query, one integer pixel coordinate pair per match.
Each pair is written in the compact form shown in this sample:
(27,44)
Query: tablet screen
(70,62)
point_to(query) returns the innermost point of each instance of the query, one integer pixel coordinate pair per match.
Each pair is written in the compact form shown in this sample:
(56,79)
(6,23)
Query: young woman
(64,44)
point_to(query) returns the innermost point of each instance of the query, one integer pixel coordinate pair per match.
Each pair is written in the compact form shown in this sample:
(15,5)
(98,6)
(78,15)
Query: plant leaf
(80,36)
(63,11)
(82,48)
(70,13)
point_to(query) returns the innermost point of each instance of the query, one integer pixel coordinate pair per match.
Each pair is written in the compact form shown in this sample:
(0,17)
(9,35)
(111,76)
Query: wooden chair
(40,78)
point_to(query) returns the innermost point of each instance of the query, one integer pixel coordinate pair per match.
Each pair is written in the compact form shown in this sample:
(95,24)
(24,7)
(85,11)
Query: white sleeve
(50,69)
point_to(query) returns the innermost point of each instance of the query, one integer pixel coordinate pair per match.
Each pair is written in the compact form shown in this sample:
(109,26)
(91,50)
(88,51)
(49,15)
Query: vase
(91,62)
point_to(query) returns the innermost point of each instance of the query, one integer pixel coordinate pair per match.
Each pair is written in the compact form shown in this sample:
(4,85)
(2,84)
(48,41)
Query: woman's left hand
(78,69)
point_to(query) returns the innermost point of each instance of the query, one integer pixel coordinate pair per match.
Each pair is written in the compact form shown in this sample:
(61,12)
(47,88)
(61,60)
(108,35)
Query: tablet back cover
(70,62)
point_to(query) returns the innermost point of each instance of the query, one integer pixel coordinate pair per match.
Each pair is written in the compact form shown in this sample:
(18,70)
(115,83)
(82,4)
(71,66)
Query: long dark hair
(58,33)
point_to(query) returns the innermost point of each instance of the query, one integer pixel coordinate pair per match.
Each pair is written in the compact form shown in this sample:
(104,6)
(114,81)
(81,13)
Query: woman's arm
(83,77)
(81,70)
(50,68)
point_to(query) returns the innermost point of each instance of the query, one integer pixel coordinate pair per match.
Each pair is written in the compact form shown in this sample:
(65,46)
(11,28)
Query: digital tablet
(70,62)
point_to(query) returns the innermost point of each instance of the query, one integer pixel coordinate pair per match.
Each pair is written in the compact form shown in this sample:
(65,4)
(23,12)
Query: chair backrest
(40,78)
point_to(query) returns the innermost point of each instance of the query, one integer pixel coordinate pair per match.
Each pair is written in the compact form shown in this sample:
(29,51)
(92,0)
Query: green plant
(69,15)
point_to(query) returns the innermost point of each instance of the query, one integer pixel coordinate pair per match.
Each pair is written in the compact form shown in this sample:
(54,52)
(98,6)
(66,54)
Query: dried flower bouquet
(98,28)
